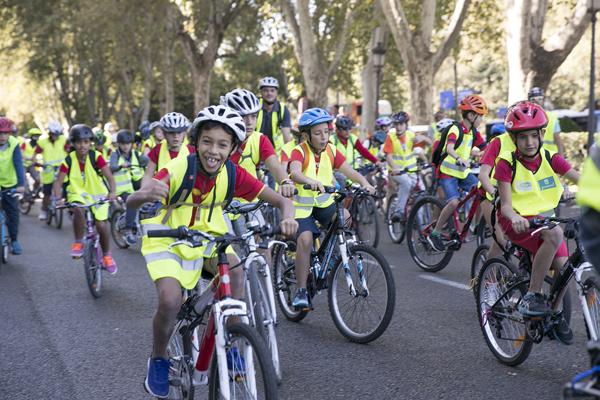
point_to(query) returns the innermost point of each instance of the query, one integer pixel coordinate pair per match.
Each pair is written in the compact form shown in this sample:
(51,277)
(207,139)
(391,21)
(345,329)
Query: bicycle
(586,384)
(269,212)
(54,213)
(4,236)
(423,218)
(363,214)
(377,177)
(197,361)
(508,334)
(32,193)
(339,258)
(92,252)
(118,224)
(258,282)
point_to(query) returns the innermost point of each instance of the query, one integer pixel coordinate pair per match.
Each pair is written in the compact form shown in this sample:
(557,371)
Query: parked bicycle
(361,290)
(198,357)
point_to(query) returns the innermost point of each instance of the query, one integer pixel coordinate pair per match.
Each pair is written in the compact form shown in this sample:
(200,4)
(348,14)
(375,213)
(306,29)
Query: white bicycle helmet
(223,114)
(54,127)
(443,124)
(242,101)
(268,81)
(174,122)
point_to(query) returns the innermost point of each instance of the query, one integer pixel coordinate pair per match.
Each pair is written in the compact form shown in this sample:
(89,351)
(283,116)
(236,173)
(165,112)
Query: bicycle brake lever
(186,243)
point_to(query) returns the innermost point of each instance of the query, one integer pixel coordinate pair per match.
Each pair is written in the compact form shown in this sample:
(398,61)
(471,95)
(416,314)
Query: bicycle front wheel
(479,257)
(92,269)
(362,316)
(58,218)
(592,297)
(285,283)
(250,374)
(396,230)
(115,232)
(179,352)
(499,291)
(421,221)
(25,204)
(365,221)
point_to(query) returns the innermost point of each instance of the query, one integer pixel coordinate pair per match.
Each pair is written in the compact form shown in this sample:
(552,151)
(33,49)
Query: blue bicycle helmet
(401,117)
(379,137)
(497,129)
(312,117)
(383,121)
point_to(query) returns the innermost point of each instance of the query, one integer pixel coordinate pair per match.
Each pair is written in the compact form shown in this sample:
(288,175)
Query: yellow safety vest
(307,199)
(506,145)
(449,166)
(250,156)
(534,193)
(287,150)
(348,149)
(276,119)
(549,133)
(403,155)
(182,262)
(125,177)
(28,153)
(8,173)
(150,143)
(53,153)
(588,193)
(164,156)
(84,186)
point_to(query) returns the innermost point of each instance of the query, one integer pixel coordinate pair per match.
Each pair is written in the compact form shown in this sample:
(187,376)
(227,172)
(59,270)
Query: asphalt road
(57,342)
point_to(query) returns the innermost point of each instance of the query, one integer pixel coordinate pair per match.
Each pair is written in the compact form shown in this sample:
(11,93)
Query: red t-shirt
(39,150)
(153,154)
(338,159)
(503,171)
(100,163)
(247,187)
(491,152)
(265,150)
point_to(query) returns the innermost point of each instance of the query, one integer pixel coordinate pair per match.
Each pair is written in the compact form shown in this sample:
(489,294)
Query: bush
(576,147)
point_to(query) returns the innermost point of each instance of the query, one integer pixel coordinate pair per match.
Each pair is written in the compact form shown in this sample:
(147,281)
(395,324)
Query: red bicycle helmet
(474,103)
(6,125)
(525,116)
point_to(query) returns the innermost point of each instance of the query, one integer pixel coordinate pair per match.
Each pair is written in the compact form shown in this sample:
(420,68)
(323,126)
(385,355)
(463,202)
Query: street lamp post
(378,59)
(594,8)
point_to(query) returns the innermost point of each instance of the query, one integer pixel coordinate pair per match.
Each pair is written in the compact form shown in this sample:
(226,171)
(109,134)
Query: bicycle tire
(592,295)
(179,353)
(396,230)
(93,272)
(479,258)
(263,315)
(58,218)
(265,380)
(337,277)
(481,232)
(114,230)
(422,217)
(25,204)
(49,216)
(489,285)
(365,221)
(284,278)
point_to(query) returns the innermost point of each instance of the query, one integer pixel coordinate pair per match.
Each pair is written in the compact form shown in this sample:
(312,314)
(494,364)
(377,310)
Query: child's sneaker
(77,250)
(109,264)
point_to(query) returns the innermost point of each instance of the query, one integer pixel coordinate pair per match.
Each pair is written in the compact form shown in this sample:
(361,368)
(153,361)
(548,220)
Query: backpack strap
(231,177)
(185,189)
(513,166)
(548,157)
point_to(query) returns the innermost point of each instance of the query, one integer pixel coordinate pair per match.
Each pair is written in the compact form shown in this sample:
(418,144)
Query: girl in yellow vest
(53,149)
(155,136)
(529,186)
(313,163)
(216,133)
(400,156)
(588,197)
(85,185)
(174,125)
(127,166)
(12,176)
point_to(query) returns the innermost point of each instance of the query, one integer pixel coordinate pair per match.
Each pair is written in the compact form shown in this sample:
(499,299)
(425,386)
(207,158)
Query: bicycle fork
(345,264)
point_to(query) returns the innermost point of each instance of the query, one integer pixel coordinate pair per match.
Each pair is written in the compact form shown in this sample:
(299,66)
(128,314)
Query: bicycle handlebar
(80,205)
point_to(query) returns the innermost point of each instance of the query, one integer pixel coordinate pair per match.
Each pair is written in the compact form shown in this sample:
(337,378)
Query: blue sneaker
(235,362)
(17,250)
(130,238)
(300,301)
(157,380)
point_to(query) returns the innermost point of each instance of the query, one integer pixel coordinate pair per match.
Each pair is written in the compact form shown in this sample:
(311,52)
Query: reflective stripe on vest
(534,193)
(164,156)
(588,194)
(307,199)
(53,153)
(276,134)
(125,176)
(449,166)
(8,173)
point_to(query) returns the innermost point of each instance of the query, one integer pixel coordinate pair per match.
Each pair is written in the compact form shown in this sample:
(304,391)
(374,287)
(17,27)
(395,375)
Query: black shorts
(323,215)
(47,189)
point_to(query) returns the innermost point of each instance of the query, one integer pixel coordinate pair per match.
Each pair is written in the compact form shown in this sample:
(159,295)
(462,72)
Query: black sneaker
(435,240)
(300,301)
(534,305)
(561,330)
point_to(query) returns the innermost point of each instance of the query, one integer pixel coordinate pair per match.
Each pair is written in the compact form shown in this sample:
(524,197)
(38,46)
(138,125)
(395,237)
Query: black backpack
(440,151)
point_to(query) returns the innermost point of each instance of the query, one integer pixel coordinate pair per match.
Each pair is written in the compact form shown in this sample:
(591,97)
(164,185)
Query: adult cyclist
(552,139)
(273,119)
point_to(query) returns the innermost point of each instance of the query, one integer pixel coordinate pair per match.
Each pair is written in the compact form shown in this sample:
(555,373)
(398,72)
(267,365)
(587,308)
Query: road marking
(446,282)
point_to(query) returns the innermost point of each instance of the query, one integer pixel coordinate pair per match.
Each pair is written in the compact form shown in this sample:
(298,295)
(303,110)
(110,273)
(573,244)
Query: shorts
(47,189)
(525,240)
(451,185)
(323,215)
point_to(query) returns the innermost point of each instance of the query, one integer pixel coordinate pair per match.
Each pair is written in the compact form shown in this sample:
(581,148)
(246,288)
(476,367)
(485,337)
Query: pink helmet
(525,116)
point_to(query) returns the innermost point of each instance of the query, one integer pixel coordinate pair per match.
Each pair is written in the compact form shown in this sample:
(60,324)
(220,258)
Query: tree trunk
(369,81)
(421,92)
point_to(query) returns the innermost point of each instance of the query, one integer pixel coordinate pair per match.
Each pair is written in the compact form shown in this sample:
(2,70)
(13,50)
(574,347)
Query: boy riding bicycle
(84,169)
(313,163)
(212,180)
(398,148)
(529,186)
(454,170)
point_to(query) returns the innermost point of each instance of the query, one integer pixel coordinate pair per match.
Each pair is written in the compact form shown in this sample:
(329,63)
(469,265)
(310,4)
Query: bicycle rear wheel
(25,204)
(499,291)
(285,283)
(362,317)
(253,376)
(396,230)
(93,271)
(179,352)
(115,232)
(421,221)
(479,257)
(50,215)
(365,221)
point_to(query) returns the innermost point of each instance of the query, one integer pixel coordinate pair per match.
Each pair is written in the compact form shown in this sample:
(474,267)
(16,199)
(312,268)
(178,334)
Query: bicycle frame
(473,194)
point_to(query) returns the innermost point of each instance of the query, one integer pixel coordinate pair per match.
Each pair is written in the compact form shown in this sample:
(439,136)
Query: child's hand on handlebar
(289,226)
(519,224)
(317,186)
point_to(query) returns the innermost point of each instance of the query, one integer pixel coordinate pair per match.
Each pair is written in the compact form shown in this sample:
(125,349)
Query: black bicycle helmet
(400,117)
(80,132)
(124,136)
